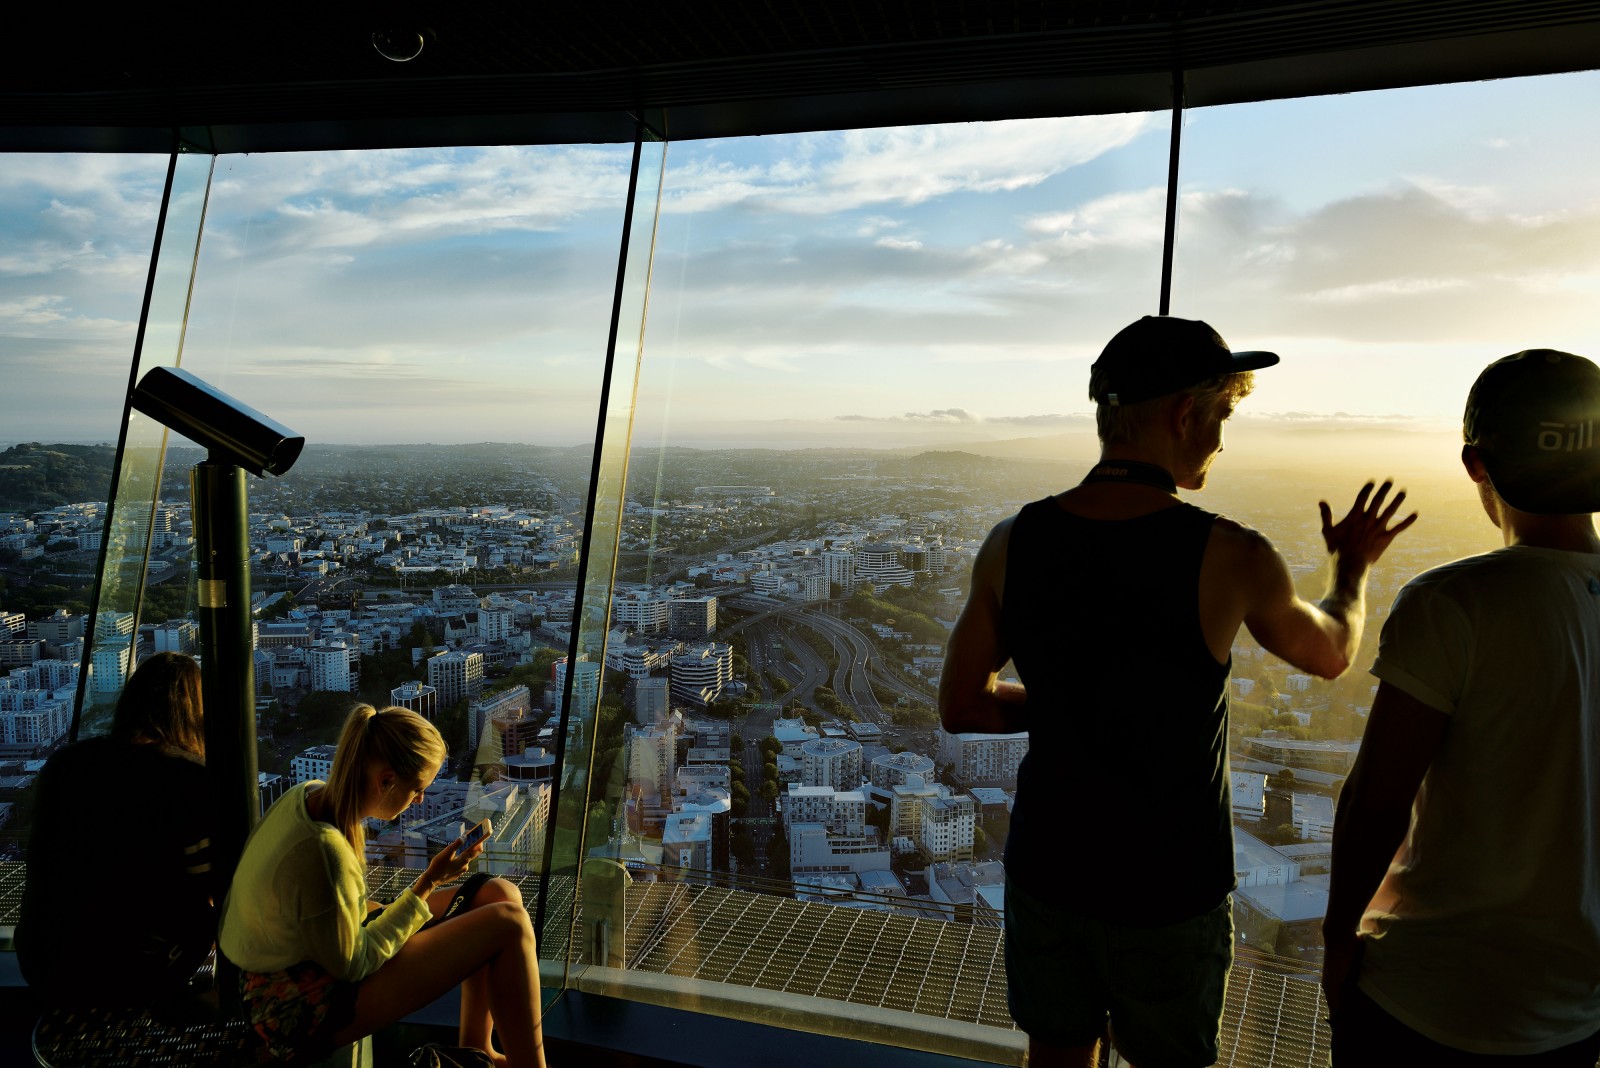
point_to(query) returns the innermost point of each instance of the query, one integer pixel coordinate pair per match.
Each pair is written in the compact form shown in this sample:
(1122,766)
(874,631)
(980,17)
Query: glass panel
(144,545)
(593,768)
(76,234)
(1388,246)
(863,349)
(435,323)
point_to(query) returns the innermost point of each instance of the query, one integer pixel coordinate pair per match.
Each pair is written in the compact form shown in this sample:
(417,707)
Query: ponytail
(395,737)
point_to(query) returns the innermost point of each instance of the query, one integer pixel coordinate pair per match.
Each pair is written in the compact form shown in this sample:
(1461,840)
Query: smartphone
(473,837)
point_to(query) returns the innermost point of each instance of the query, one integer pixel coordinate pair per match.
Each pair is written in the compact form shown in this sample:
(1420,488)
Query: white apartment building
(880,565)
(646,611)
(983,758)
(813,849)
(109,667)
(840,811)
(455,675)
(947,828)
(839,567)
(831,762)
(314,763)
(700,673)
(36,727)
(900,769)
(585,684)
(905,807)
(496,624)
(334,666)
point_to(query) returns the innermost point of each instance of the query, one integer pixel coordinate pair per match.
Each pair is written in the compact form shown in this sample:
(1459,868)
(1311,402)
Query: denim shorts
(1161,988)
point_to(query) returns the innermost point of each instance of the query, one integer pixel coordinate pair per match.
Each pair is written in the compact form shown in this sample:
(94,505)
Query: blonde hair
(160,704)
(1125,423)
(394,737)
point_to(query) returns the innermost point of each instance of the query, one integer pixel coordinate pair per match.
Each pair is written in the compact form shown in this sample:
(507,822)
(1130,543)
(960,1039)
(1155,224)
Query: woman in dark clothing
(119,904)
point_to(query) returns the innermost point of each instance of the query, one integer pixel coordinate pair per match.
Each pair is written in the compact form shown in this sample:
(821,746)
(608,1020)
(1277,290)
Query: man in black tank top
(1119,604)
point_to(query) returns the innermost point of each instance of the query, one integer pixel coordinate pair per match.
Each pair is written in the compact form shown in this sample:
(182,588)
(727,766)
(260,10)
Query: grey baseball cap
(1533,416)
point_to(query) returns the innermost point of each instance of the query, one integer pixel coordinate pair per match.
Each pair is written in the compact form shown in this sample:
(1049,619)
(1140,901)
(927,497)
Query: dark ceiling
(287,79)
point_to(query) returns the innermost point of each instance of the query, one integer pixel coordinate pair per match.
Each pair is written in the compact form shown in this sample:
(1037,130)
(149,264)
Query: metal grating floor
(952,971)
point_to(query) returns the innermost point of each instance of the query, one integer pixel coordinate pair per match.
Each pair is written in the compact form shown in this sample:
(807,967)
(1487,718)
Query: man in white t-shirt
(1463,922)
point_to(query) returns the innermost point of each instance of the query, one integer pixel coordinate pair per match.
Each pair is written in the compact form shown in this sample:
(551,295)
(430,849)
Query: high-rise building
(585,685)
(108,666)
(651,698)
(948,825)
(455,675)
(334,666)
(833,762)
(983,758)
(700,673)
(495,624)
(840,811)
(839,569)
(693,617)
(653,758)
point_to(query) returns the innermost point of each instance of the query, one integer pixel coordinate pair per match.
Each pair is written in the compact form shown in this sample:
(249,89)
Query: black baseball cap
(1533,416)
(1162,354)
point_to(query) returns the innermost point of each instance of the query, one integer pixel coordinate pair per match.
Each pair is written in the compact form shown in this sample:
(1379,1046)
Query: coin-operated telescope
(237,439)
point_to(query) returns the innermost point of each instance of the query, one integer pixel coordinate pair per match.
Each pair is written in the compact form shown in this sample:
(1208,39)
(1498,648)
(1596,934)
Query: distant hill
(35,476)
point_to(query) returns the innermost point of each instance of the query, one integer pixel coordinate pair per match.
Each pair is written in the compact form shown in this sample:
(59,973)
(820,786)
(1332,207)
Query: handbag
(434,1055)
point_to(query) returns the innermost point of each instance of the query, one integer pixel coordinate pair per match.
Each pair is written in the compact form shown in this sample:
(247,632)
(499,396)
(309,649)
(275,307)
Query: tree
(778,852)
(743,848)
(768,790)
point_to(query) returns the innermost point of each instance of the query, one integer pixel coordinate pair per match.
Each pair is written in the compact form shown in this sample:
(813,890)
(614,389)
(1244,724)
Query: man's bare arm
(1321,638)
(1374,813)
(971,696)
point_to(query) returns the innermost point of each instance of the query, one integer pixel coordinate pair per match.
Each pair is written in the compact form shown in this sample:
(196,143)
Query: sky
(941,286)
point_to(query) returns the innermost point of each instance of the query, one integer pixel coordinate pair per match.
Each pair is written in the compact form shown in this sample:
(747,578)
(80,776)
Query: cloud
(828,173)
(287,203)
(1417,262)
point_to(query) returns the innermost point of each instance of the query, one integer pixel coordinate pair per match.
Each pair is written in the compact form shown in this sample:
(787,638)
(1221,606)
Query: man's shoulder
(1514,572)
(1239,541)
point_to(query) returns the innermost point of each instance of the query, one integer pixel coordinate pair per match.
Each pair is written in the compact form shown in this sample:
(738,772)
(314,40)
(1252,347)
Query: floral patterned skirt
(298,1010)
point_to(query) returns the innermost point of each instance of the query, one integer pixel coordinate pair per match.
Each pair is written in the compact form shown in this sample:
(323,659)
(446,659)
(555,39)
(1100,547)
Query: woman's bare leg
(477,1020)
(496,937)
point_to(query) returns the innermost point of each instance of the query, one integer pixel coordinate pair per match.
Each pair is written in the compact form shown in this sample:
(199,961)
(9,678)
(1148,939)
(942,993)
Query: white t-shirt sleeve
(1425,649)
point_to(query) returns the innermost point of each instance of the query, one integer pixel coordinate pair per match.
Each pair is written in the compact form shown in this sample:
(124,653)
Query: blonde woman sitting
(321,965)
